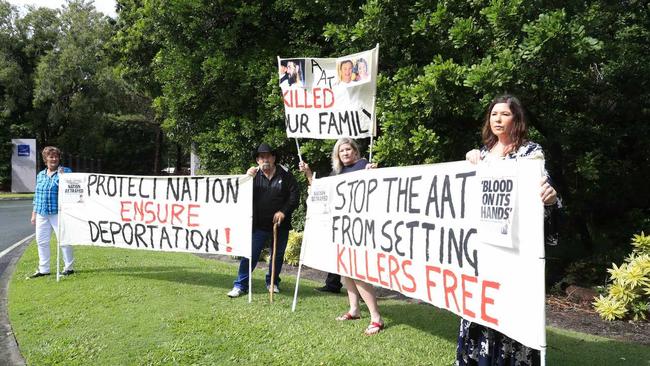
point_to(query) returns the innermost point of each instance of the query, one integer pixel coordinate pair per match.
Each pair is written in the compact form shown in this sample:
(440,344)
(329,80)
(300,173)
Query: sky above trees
(104,6)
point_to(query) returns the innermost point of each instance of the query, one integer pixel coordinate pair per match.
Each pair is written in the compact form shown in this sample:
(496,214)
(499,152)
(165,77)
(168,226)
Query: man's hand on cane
(278,217)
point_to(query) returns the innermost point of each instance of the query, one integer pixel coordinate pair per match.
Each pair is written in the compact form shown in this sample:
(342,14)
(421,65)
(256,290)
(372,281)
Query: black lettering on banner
(111,186)
(103,231)
(173,188)
(194,242)
(164,237)
(446,197)
(92,179)
(460,247)
(140,230)
(214,192)
(413,195)
(433,196)
(339,123)
(297,123)
(390,188)
(128,238)
(464,177)
(428,227)
(388,248)
(140,188)
(176,230)
(100,184)
(94,231)
(187,191)
(340,194)
(152,236)
(323,74)
(115,229)
(232,190)
(131,186)
(151,229)
(209,238)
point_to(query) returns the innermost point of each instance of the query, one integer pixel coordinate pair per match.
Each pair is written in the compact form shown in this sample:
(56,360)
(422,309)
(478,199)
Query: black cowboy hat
(264,148)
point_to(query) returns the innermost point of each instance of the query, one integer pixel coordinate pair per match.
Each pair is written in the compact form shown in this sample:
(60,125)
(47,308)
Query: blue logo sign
(23,150)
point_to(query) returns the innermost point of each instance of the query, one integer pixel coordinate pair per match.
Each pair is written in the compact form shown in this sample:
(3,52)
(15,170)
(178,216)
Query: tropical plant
(628,294)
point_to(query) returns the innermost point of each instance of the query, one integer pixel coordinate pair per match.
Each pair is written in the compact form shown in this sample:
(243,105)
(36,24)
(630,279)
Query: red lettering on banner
(393,268)
(137,209)
(191,214)
(407,275)
(371,279)
(381,268)
(339,259)
(350,259)
(396,268)
(177,210)
(149,212)
(466,294)
(449,289)
(301,98)
(430,283)
(488,300)
(124,210)
(356,265)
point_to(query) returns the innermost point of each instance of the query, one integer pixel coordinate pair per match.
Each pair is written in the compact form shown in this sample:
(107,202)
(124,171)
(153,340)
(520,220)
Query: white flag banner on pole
(330,98)
(198,214)
(416,230)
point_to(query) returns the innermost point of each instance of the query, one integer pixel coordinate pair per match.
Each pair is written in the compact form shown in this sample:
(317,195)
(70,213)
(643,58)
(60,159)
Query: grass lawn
(16,195)
(129,307)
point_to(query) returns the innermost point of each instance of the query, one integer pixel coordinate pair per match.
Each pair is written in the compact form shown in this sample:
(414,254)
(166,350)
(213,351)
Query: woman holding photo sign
(345,159)
(46,210)
(504,135)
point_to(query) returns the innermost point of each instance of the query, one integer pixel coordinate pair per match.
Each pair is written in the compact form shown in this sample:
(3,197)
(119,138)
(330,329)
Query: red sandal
(348,316)
(373,328)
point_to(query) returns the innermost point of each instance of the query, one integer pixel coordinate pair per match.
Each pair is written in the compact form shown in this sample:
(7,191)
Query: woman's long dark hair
(518,133)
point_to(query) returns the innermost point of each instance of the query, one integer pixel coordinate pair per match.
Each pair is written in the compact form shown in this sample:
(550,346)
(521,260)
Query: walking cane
(275,246)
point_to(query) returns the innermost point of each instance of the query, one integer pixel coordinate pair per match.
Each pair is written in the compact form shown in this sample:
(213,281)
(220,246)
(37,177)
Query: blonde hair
(50,150)
(337,165)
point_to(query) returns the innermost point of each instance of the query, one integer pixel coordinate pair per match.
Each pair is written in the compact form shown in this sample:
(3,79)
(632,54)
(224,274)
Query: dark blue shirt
(359,165)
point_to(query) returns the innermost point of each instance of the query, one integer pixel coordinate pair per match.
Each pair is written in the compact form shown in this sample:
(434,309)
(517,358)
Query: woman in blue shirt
(45,212)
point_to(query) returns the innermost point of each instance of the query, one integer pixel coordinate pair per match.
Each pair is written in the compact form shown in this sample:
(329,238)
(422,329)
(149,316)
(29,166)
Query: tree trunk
(157,156)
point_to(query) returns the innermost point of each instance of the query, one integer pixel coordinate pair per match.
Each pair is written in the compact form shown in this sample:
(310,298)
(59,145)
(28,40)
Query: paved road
(14,221)
(14,226)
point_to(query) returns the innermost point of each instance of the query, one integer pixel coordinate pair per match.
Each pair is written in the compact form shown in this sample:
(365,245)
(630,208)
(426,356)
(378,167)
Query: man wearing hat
(275,196)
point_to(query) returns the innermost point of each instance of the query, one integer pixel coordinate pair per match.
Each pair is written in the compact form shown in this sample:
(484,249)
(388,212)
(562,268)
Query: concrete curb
(9,352)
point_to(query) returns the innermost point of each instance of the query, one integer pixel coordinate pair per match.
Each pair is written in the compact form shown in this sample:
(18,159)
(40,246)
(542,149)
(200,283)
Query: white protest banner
(199,214)
(414,230)
(330,98)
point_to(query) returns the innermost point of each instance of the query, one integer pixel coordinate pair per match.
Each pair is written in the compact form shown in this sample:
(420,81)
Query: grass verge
(129,307)
(6,195)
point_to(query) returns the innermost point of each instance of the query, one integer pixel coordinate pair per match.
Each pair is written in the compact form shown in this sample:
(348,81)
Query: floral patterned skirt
(482,346)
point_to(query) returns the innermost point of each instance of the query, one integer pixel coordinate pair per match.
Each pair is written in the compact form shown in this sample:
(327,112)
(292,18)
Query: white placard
(330,98)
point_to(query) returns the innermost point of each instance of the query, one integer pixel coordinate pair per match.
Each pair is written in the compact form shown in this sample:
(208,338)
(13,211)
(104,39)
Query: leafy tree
(570,63)
(81,94)
(14,93)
